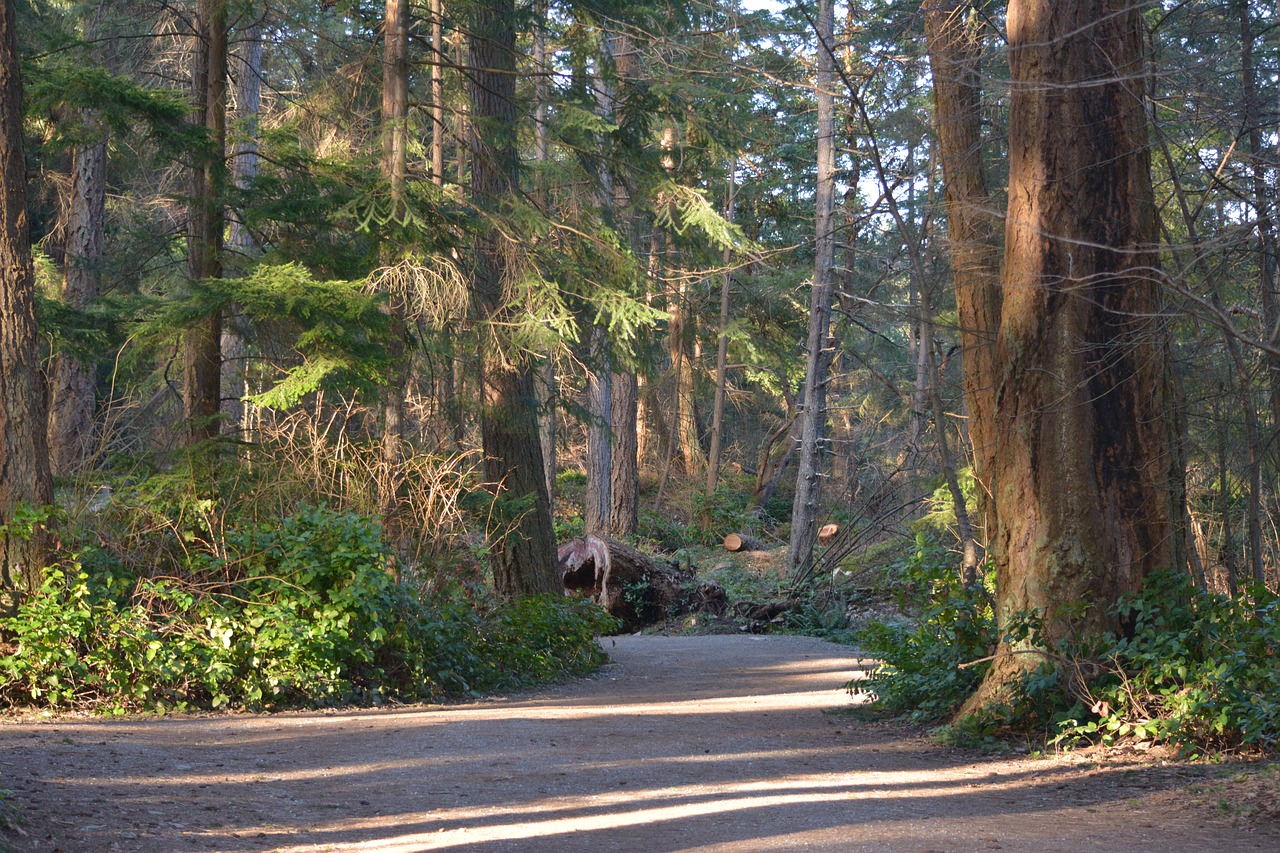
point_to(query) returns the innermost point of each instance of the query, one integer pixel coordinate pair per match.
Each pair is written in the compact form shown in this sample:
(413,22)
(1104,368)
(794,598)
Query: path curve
(715,743)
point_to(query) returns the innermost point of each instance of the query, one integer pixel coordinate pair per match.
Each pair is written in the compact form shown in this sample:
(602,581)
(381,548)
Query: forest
(325,324)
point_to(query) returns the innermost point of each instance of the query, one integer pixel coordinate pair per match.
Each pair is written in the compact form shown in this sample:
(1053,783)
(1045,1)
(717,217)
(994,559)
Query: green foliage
(305,612)
(720,512)
(922,659)
(1199,671)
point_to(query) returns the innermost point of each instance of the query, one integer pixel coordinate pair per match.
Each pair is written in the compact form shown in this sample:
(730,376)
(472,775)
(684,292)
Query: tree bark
(202,385)
(1088,476)
(437,92)
(722,352)
(804,514)
(625,489)
(955,53)
(395,108)
(72,392)
(524,558)
(24,455)
(247,58)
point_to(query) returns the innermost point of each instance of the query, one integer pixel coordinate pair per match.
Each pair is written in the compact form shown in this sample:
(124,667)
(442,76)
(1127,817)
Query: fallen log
(737,542)
(635,588)
(827,532)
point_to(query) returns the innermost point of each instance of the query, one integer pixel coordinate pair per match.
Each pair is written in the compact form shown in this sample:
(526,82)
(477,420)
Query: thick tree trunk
(72,393)
(804,514)
(202,373)
(524,558)
(599,501)
(953,31)
(1088,473)
(24,455)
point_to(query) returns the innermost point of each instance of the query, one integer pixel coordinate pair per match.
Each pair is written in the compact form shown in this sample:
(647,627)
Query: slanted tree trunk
(202,365)
(804,515)
(24,455)
(524,558)
(1088,470)
(72,392)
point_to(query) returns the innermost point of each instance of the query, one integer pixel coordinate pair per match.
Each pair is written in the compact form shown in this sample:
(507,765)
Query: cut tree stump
(632,586)
(737,542)
(827,532)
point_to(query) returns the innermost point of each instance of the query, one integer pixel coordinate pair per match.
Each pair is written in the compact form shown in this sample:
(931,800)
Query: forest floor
(715,743)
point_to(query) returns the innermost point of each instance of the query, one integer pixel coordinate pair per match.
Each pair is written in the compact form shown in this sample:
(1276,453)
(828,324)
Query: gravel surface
(711,743)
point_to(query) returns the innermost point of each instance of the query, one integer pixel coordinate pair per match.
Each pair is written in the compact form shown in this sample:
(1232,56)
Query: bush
(306,613)
(1200,671)
(921,659)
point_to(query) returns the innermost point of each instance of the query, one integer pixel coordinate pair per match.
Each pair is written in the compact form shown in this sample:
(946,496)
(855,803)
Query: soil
(711,743)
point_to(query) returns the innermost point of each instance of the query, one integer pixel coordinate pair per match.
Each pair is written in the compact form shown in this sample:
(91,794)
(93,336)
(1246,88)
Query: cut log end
(736,542)
(827,532)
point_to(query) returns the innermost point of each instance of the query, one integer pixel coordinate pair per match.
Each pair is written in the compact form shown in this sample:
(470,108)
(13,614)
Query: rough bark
(395,108)
(524,558)
(24,456)
(437,92)
(202,350)
(72,393)
(953,32)
(624,492)
(596,513)
(804,515)
(1088,473)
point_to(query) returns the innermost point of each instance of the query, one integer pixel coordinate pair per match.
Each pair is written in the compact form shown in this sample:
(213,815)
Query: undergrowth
(1197,671)
(305,612)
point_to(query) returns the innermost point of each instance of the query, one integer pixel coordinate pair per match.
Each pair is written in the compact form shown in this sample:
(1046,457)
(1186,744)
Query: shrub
(921,668)
(304,613)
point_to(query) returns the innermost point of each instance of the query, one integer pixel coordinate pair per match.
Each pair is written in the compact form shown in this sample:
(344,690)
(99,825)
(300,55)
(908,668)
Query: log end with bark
(827,532)
(631,586)
(738,542)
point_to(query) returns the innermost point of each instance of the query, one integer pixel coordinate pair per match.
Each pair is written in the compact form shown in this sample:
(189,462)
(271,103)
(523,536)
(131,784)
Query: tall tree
(953,31)
(202,386)
(1088,470)
(24,457)
(804,514)
(524,560)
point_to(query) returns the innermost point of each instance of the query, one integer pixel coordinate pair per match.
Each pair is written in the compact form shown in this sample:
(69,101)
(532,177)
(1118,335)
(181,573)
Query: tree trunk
(722,352)
(596,514)
(244,171)
(437,92)
(24,455)
(395,108)
(625,489)
(524,558)
(953,31)
(1088,473)
(72,392)
(804,514)
(202,385)
(736,542)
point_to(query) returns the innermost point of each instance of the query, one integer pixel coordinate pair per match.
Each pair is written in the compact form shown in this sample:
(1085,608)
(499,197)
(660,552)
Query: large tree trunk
(804,514)
(722,352)
(1088,470)
(524,558)
(72,393)
(955,53)
(202,385)
(24,455)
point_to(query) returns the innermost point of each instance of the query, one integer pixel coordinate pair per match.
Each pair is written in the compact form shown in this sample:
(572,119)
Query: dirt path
(713,743)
